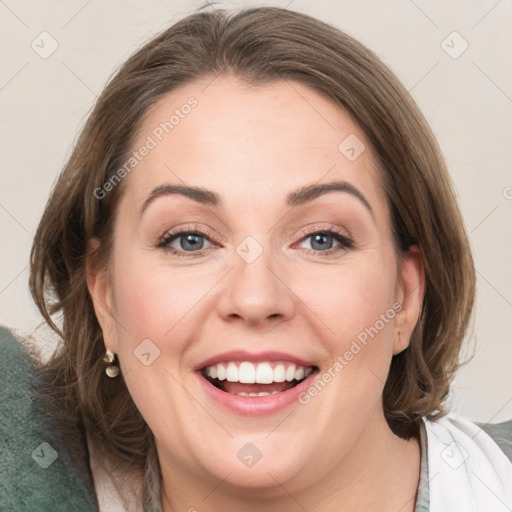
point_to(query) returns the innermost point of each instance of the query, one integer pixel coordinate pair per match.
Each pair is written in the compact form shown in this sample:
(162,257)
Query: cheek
(156,301)
(151,305)
(354,303)
(144,305)
(353,293)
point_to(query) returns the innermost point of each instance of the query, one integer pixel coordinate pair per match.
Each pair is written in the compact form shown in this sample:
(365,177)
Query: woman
(264,282)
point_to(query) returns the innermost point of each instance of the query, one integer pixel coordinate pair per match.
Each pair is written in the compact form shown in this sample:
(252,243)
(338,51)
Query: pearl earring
(112,370)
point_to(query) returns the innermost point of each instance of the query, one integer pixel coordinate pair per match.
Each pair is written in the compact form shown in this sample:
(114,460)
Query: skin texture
(253,145)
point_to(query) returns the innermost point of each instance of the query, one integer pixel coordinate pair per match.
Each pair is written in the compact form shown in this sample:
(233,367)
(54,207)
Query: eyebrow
(299,197)
(306,194)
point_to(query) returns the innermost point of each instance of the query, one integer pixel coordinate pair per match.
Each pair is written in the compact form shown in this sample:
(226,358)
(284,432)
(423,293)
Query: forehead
(260,141)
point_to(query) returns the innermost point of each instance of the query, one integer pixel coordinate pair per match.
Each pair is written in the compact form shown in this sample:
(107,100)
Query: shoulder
(36,472)
(14,362)
(501,433)
(16,386)
(455,426)
(462,454)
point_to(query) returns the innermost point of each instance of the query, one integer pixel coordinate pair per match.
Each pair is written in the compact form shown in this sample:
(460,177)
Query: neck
(381,472)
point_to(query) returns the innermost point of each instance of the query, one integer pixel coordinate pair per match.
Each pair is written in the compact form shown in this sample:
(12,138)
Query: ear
(99,284)
(409,293)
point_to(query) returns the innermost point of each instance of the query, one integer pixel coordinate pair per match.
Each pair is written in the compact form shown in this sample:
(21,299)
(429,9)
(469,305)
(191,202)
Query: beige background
(467,100)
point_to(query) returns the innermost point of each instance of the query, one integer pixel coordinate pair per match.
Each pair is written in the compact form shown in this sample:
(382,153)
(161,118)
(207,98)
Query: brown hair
(258,45)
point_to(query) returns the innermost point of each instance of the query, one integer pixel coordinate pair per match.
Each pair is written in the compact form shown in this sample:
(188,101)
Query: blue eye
(188,242)
(322,241)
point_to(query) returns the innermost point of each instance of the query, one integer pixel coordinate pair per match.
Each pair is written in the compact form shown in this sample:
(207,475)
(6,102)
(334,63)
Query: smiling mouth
(256,380)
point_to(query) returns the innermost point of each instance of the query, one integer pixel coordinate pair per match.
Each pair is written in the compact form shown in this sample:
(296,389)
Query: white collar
(467,470)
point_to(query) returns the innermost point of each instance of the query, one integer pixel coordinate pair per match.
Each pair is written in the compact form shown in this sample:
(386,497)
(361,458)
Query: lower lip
(258,405)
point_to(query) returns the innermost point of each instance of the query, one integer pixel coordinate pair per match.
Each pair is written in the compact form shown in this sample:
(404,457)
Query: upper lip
(252,357)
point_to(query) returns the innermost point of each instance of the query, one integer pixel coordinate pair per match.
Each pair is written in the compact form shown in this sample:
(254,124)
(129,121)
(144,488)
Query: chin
(258,463)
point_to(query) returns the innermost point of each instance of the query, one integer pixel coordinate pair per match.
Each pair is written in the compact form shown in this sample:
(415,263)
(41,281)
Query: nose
(257,293)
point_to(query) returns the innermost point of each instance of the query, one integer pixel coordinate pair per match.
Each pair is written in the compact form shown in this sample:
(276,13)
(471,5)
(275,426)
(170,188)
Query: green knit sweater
(36,471)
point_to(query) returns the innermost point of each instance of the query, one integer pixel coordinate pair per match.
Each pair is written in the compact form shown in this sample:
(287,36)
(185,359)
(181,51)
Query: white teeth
(221,372)
(232,372)
(290,373)
(263,393)
(299,373)
(279,373)
(264,374)
(247,373)
(259,373)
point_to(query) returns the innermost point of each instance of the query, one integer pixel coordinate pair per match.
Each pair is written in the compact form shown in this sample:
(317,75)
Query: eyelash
(164,243)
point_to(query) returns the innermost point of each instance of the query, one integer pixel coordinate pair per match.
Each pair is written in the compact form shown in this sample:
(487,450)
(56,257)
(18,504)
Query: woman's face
(280,279)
